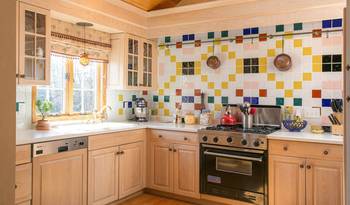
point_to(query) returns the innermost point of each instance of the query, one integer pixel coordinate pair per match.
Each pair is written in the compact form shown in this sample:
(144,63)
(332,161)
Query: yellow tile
(231,55)
(161,92)
(173,59)
(317,59)
(316,67)
(224,48)
(166,112)
(279,44)
(232,77)
(179,71)
(307,76)
(166,85)
(288,93)
(298,43)
(298,85)
(289,35)
(217,107)
(239,62)
(307,51)
(271,77)
(120,111)
(160,105)
(204,78)
(197,64)
(279,85)
(178,65)
(217,41)
(120,98)
(239,70)
(217,92)
(224,85)
(167,52)
(197,71)
(210,49)
(172,78)
(271,52)
(211,85)
(262,68)
(262,61)
(204,57)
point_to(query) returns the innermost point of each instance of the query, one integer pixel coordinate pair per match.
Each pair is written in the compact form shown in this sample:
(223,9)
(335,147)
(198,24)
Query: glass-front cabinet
(34,45)
(132,63)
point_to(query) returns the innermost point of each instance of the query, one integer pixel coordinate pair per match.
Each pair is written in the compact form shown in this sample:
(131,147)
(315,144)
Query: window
(75,90)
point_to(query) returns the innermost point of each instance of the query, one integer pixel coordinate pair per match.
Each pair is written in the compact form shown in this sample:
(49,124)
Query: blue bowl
(294,126)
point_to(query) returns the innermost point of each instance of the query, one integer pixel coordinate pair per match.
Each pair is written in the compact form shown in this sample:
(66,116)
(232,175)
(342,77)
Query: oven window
(234,166)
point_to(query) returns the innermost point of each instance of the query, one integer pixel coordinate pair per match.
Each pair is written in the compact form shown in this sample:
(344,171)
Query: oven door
(234,173)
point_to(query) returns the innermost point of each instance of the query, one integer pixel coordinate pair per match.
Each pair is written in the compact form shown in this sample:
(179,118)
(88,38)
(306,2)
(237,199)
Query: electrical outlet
(312,112)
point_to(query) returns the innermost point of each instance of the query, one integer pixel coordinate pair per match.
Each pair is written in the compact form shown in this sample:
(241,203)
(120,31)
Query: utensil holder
(247,121)
(338,129)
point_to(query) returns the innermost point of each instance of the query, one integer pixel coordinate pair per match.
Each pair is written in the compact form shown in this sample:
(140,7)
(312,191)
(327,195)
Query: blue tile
(246,31)
(246,99)
(326,102)
(191,37)
(337,22)
(184,37)
(187,99)
(255,100)
(326,23)
(255,30)
(129,104)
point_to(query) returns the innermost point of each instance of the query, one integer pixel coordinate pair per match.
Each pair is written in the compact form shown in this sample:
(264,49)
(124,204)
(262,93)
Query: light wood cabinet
(312,176)
(60,178)
(25,203)
(34,45)
(23,183)
(133,63)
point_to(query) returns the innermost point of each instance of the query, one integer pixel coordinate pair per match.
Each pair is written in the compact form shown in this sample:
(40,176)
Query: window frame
(101,90)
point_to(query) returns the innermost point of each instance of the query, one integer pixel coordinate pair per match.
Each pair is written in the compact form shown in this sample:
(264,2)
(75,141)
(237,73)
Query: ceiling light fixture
(84,57)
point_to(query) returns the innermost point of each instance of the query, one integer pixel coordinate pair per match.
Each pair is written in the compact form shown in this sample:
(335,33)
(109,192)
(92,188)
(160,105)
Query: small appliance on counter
(141,110)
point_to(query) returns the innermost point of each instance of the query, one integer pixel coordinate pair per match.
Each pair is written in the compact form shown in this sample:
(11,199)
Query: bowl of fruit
(295,125)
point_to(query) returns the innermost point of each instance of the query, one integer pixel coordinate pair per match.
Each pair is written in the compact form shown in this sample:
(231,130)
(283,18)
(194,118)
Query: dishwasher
(60,172)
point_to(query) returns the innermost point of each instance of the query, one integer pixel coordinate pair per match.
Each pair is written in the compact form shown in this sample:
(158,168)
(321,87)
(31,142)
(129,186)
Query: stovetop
(263,130)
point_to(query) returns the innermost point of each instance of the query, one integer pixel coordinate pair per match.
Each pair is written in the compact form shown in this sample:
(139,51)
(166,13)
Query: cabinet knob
(175,150)
(170,149)
(160,136)
(325,152)
(285,148)
(122,152)
(117,153)
(185,138)
(16,186)
(308,166)
(302,166)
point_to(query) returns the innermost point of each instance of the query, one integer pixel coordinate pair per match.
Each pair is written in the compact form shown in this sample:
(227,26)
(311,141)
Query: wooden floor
(148,199)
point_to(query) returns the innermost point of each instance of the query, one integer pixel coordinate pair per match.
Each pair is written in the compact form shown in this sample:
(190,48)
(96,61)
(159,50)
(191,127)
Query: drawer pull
(16,186)
(174,150)
(285,148)
(122,152)
(325,152)
(117,153)
(302,166)
(170,149)
(185,138)
(308,166)
(160,136)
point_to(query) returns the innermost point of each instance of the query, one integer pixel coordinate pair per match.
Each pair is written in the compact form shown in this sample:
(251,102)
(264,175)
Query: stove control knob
(229,140)
(256,143)
(205,138)
(216,139)
(244,142)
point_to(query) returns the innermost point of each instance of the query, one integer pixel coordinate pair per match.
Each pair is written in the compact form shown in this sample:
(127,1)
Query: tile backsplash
(247,72)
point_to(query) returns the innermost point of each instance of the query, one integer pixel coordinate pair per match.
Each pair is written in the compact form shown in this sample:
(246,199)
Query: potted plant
(44,108)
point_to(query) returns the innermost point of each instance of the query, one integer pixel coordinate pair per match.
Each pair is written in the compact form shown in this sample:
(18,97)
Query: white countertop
(80,130)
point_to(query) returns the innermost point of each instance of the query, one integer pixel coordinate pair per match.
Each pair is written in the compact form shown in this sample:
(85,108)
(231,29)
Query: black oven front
(235,173)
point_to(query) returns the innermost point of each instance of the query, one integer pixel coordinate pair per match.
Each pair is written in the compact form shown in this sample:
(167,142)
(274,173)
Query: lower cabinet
(23,184)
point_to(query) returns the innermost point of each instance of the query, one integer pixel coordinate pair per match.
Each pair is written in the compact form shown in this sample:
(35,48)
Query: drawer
(24,203)
(306,150)
(23,183)
(173,136)
(23,154)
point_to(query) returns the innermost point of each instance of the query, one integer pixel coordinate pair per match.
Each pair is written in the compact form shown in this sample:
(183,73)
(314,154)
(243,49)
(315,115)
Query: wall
(308,84)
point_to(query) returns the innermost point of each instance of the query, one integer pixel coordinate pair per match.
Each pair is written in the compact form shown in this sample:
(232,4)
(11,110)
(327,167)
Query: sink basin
(93,127)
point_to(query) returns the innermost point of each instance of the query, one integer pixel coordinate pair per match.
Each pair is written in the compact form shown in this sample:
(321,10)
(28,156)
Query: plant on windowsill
(44,108)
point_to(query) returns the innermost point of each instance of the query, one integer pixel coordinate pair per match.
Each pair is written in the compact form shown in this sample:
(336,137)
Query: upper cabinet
(33,45)
(133,63)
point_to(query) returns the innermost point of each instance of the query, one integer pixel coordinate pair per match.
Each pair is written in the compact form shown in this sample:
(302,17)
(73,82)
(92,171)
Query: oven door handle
(233,156)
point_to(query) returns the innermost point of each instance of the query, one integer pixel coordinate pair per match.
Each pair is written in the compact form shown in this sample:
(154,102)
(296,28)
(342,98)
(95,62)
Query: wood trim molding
(80,40)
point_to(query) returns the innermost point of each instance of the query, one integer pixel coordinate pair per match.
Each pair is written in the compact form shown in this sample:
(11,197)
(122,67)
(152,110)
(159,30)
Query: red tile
(178,44)
(197,43)
(178,92)
(263,37)
(239,92)
(316,93)
(197,92)
(197,106)
(144,92)
(316,33)
(262,93)
(239,39)
(178,105)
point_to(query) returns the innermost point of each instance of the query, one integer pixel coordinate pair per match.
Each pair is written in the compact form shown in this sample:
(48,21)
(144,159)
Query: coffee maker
(141,110)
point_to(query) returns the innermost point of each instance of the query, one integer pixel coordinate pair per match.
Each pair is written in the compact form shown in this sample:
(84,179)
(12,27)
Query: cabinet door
(133,53)
(132,168)
(34,41)
(186,170)
(103,176)
(60,178)
(148,70)
(23,182)
(324,182)
(286,180)
(161,163)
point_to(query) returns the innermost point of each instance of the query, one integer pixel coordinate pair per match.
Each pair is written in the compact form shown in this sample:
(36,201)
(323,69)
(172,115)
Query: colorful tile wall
(247,72)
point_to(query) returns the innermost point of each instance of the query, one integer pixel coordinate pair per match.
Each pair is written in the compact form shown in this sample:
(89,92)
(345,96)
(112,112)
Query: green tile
(166,98)
(134,97)
(155,98)
(211,35)
(167,39)
(280,101)
(210,99)
(280,28)
(298,102)
(224,34)
(224,100)
(298,26)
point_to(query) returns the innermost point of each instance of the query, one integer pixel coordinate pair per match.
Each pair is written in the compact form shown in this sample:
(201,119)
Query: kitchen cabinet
(133,63)
(312,176)
(174,163)
(23,183)
(34,45)
(60,178)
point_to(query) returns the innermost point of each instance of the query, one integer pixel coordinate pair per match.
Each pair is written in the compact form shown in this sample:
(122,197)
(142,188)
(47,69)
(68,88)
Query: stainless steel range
(234,160)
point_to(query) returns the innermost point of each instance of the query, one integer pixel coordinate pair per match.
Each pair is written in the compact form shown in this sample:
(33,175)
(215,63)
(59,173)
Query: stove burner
(265,130)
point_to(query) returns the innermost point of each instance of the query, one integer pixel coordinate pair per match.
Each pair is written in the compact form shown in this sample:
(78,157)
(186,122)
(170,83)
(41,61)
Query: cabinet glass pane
(136,47)
(130,63)
(149,83)
(130,46)
(136,63)
(40,46)
(29,45)
(149,65)
(29,21)
(129,78)
(40,24)
(29,68)
(40,69)
(144,49)
(149,50)
(135,79)
(145,64)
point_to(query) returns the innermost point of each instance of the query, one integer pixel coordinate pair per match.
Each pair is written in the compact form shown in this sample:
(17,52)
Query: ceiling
(152,5)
